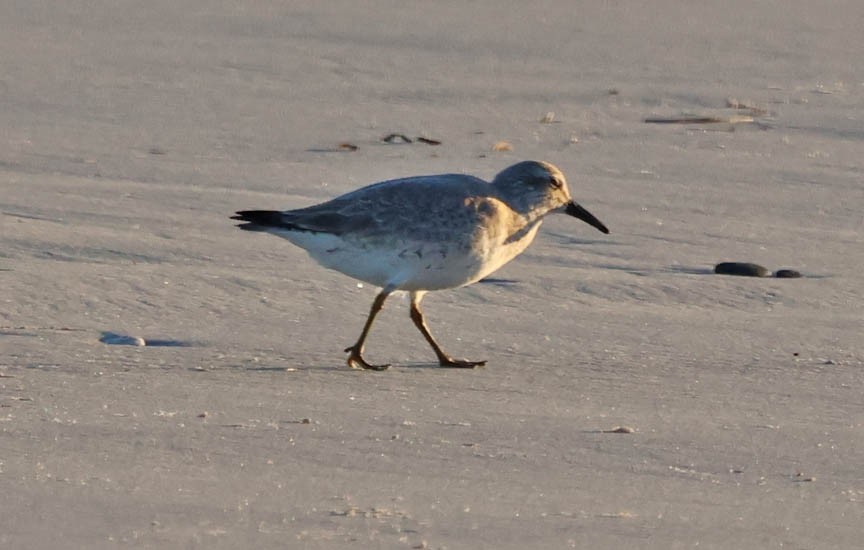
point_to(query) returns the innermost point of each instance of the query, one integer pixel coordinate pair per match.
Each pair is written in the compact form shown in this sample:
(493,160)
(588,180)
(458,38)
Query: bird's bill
(576,210)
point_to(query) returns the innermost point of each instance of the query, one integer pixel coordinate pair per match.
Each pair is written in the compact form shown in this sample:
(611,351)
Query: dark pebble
(787,274)
(743,269)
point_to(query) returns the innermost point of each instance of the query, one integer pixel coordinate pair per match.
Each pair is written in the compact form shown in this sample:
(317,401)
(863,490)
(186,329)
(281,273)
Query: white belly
(406,265)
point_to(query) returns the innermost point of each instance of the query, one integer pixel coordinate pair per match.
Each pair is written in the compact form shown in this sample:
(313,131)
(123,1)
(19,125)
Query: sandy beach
(632,397)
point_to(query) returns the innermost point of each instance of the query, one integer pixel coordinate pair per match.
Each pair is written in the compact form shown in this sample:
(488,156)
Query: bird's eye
(555,182)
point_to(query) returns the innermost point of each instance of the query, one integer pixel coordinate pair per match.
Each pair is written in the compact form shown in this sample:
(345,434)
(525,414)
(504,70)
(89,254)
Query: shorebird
(424,233)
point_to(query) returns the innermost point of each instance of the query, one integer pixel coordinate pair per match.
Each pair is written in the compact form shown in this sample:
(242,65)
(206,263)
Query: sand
(131,131)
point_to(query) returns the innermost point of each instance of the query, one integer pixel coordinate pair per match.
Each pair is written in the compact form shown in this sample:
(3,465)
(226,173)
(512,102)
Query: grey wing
(330,217)
(322,218)
(416,208)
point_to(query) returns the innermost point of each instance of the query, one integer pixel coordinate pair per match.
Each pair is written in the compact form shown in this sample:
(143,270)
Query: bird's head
(536,188)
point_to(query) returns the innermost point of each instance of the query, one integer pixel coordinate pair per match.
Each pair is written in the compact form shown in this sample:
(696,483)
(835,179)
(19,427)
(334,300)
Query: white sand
(131,132)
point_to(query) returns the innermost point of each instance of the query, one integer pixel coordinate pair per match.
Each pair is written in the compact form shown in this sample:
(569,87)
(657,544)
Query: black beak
(577,211)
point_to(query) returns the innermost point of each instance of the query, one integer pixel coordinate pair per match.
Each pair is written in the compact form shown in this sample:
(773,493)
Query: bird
(424,233)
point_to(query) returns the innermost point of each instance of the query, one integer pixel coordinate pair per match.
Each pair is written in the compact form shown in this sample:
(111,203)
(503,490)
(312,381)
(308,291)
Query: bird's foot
(449,362)
(355,361)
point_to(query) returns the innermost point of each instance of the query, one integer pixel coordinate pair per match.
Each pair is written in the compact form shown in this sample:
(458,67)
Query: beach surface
(632,398)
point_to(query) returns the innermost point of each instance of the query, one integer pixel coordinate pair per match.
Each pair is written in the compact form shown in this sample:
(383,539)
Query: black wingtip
(258,220)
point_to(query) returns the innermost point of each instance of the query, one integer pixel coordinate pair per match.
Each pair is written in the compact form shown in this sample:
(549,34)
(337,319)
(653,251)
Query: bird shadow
(498,282)
(688,270)
(341,368)
(569,239)
(432,366)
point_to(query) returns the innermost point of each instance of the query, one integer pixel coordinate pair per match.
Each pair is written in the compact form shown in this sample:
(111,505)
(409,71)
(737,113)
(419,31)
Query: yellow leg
(355,358)
(443,358)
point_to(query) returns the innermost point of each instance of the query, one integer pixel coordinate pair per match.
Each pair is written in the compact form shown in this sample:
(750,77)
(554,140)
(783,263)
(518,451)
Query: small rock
(743,269)
(502,146)
(787,274)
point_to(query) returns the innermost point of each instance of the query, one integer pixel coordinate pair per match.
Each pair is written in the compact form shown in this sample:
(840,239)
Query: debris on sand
(619,430)
(114,339)
(696,119)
